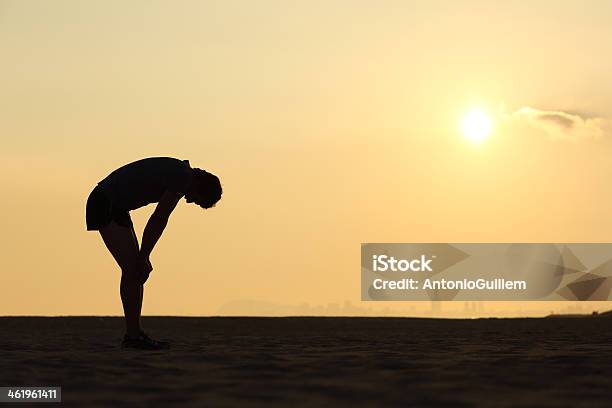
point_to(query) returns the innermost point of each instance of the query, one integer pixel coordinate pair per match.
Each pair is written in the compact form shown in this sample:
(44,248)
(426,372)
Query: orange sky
(330,123)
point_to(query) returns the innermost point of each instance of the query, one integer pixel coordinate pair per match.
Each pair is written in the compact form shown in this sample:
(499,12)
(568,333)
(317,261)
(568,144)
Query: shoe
(163,343)
(144,342)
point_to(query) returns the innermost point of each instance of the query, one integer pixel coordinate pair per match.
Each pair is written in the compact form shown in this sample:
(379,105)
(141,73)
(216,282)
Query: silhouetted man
(161,180)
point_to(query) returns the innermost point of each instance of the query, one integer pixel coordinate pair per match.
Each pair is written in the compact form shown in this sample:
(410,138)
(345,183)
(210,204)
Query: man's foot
(164,343)
(144,342)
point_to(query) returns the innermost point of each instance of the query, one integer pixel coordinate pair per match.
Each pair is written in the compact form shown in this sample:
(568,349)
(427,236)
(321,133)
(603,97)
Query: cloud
(559,125)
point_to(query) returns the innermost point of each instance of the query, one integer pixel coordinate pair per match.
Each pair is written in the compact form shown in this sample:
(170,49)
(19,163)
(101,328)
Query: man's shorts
(101,211)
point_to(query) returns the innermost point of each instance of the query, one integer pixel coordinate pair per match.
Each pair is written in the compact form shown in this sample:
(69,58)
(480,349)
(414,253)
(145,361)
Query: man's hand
(145,267)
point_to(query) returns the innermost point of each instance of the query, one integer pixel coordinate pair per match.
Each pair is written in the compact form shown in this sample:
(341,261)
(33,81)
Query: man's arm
(158,221)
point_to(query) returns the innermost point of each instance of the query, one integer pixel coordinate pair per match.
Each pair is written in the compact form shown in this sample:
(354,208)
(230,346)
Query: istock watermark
(475,271)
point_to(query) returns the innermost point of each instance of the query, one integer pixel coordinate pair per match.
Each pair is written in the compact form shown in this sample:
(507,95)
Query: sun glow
(476,126)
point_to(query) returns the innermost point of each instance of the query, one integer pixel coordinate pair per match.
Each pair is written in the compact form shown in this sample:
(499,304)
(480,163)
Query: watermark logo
(500,271)
(383,263)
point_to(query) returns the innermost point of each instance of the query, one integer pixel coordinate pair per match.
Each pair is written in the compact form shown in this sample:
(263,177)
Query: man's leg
(140,298)
(122,244)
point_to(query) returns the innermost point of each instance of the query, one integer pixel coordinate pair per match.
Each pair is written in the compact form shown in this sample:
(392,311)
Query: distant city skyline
(455,309)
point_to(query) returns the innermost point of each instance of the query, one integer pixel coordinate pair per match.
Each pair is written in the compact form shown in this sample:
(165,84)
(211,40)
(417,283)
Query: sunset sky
(330,123)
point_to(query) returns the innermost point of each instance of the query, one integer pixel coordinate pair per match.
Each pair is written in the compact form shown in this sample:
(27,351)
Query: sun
(476,126)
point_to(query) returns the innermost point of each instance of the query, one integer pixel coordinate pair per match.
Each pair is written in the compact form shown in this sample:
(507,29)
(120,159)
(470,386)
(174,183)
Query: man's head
(205,189)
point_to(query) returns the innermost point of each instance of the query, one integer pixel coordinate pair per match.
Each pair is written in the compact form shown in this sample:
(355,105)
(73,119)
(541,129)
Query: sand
(315,361)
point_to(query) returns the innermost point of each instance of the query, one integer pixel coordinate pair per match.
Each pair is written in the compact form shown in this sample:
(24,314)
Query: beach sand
(316,361)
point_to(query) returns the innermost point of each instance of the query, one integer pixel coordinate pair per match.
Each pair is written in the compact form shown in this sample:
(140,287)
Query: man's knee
(130,273)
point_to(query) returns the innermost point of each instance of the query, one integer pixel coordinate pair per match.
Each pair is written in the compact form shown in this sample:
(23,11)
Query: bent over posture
(161,180)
